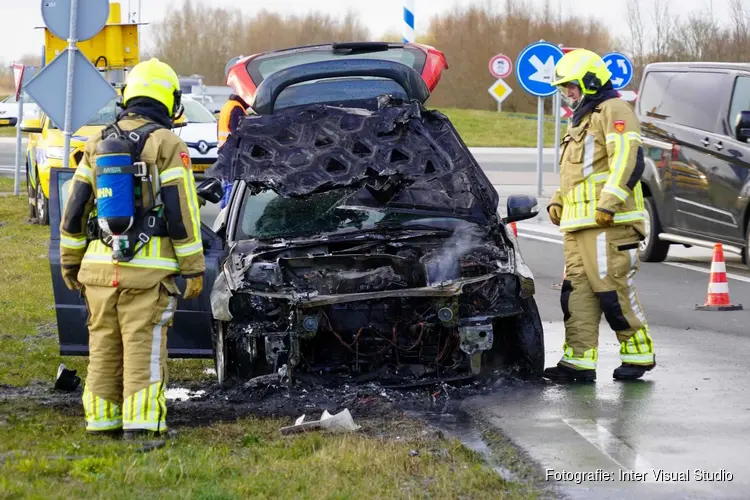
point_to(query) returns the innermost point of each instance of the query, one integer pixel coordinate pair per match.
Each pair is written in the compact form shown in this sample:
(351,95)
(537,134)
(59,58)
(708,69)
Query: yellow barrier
(115,47)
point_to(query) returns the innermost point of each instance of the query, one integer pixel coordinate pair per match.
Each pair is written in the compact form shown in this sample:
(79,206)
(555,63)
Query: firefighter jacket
(230,114)
(181,252)
(601,165)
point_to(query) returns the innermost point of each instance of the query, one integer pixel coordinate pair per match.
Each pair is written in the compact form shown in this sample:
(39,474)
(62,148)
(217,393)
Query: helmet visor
(570,94)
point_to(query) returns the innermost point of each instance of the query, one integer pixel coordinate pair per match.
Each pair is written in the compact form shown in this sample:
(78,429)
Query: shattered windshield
(267,215)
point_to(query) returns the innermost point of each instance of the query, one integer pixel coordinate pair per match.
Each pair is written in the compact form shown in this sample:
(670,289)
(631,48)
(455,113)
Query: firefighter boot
(627,371)
(564,373)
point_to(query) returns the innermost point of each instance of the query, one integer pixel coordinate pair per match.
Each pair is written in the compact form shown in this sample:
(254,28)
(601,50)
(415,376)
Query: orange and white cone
(515,229)
(717,298)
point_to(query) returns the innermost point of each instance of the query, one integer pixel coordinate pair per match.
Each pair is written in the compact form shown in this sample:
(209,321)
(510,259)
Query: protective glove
(555,213)
(604,219)
(201,201)
(70,277)
(193,287)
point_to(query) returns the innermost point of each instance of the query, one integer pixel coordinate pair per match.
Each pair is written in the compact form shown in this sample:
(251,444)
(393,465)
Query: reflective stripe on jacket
(601,165)
(225,119)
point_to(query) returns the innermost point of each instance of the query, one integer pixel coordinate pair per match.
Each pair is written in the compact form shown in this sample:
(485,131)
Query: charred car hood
(402,156)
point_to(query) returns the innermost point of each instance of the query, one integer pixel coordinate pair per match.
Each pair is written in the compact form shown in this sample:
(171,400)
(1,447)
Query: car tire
(652,249)
(518,343)
(41,204)
(232,359)
(31,195)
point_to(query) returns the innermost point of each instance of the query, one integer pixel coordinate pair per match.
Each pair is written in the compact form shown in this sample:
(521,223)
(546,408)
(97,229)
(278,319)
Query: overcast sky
(19,18)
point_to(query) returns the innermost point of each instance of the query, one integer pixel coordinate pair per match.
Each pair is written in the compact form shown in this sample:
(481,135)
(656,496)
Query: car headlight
(57,152)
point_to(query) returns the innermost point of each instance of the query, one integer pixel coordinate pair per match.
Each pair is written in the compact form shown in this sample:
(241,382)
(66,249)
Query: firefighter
(229,117)
(600,211)
(130,225)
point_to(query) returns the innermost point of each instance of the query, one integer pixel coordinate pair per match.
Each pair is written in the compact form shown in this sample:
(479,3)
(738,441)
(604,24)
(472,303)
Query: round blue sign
(535,68)
(620,67)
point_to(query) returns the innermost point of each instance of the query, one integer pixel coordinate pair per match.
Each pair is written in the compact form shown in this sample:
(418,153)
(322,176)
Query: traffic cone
(717,298)
(515,229)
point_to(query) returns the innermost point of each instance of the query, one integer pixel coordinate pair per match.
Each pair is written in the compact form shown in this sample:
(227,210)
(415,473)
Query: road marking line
(540,238)
(733,276)
(611,446)
(706,271)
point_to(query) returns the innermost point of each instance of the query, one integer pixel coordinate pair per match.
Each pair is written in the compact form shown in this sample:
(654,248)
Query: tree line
(200,38)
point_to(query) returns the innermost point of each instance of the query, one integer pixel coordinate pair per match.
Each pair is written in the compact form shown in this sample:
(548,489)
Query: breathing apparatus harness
(121,221)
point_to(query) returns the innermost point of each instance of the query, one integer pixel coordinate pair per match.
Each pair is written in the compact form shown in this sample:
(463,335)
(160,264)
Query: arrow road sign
(500,66)
(620,67)
(500,90)
(566,112)
(535,68)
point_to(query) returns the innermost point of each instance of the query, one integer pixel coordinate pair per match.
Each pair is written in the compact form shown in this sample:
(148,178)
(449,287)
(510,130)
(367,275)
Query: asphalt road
(691,413)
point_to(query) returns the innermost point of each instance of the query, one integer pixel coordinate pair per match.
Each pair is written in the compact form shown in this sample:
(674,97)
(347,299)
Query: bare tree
(663,22)
(635,26)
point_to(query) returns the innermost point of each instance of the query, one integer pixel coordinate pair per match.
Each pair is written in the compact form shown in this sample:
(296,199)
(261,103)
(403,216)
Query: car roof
(683,65)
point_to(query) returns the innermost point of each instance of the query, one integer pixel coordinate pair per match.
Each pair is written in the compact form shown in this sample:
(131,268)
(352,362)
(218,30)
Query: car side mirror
(8,122)
(32,126)
(211,190)
(521,207)
(742,126)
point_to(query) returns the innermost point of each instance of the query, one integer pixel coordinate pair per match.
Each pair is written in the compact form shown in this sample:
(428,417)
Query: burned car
(361,239)
(365,240)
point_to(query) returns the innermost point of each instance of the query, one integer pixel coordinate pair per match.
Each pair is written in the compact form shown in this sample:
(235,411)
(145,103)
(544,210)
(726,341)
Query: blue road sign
(535,68)
(91,92)
(620,67)
(92,17)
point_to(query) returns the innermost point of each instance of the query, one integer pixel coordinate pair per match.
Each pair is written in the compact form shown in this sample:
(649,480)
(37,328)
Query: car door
(691,109)
(190,335)
(731,167)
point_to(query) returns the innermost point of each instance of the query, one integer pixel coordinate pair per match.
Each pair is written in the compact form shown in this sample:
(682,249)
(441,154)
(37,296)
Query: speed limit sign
(500,66)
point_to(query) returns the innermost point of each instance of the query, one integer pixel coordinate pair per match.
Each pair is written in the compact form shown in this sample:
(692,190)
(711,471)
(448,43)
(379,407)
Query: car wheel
(232,358)
(41,205)
(652,249)
(518,343)
(31,195)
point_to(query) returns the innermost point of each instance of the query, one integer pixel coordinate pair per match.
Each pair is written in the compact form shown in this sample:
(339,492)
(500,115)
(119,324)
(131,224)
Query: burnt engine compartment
(396,336)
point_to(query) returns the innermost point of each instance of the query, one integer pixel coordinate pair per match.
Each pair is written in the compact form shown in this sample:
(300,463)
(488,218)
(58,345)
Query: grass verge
(8,131)
(479,128)
(45,450)
(43,447)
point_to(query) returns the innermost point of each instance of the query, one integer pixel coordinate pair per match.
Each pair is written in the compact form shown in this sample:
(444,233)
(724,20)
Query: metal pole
(19,138)
(539,144)
(557,130)
(69,84)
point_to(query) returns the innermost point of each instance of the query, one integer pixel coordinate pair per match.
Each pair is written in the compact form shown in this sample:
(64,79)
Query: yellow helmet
(584,68)
(156,80)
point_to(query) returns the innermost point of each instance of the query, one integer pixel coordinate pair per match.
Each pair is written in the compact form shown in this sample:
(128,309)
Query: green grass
(43,448)
(8,131)
(480,128)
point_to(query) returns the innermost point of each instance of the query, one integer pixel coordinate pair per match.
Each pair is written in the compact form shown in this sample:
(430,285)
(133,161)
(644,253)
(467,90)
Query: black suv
(695,125)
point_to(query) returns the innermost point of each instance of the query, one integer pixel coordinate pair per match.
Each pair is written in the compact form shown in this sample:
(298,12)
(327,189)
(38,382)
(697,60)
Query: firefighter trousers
(127,371)
(600,264)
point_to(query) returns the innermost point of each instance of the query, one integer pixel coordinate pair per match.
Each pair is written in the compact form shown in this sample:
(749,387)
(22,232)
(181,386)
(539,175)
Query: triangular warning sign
(18,77)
